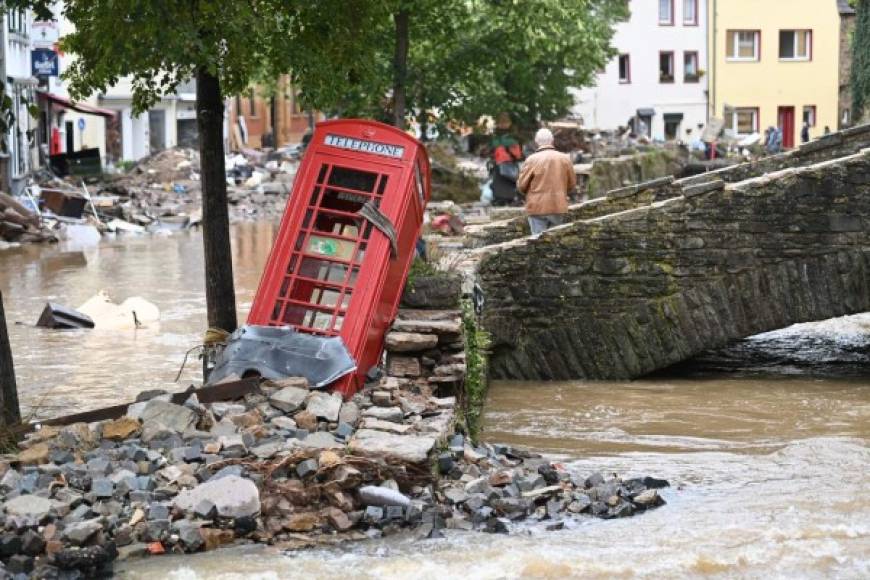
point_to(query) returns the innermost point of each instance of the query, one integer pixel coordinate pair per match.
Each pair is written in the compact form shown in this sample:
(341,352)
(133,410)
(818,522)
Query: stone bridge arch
(622,295)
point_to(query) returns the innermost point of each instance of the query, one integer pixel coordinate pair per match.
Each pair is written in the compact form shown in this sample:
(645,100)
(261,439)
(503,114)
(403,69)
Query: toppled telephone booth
(347,239)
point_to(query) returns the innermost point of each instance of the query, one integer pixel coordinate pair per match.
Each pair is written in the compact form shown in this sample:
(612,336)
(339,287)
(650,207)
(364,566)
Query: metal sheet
(276,352)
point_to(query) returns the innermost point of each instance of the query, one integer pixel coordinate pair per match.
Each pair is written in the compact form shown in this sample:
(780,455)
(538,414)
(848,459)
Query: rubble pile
(19,223)
(282,463)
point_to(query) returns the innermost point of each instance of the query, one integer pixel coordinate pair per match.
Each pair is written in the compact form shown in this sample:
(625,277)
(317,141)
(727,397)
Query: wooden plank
(210,394)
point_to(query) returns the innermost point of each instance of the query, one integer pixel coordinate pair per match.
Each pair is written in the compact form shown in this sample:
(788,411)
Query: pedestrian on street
(805,133)
(546,179)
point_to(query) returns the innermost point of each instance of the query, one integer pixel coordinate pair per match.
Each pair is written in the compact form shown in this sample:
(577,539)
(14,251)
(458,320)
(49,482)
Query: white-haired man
(546,179)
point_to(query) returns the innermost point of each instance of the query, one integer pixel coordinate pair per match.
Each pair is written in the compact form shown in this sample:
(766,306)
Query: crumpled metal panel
(276,352)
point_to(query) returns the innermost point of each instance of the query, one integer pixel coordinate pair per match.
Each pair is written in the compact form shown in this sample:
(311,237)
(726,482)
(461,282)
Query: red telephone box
(347,239)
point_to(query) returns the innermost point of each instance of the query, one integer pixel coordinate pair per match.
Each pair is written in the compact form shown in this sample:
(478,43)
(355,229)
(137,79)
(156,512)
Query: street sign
(44,33)
(44,62)
(81,124)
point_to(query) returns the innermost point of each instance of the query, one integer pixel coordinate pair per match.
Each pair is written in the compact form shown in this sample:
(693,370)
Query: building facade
(20,155)
(776,63)
(660,75)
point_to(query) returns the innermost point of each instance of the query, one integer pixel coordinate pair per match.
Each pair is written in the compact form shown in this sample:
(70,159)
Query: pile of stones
(282,462)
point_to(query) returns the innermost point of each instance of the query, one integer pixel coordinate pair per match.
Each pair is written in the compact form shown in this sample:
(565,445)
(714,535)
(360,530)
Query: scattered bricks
(339,499)
(289,399)
(338,519)
(346,477)
(344,431)
(79,533)
(102,488)
(61,456)
(394,512)
(249,419)
(32,543)
(121,429)
(445,463)
(410,342)
(188,534)
(285,423)
(404,366)
(306,420)
(593,480)
(349,414)
(35,455)
(158,511)
(382,398)
(394,414)
(302,521)
(323,406)
(214,538)
(306,468)
(374,514)
(10,544)
(19,564)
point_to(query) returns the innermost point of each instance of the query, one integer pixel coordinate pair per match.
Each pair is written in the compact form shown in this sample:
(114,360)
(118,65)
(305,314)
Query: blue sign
(44,62)
(81,124)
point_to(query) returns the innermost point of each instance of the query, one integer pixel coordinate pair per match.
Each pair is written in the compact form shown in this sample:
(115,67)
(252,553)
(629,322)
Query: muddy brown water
(765,443)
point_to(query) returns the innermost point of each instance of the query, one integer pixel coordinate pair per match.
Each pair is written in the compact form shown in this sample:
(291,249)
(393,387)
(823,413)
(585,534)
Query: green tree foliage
(473,57)
(861,60)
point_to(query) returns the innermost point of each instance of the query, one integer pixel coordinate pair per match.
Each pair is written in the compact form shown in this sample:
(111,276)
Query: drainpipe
(711,65)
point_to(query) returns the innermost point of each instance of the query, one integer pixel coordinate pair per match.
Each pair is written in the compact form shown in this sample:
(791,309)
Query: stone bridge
(654,274)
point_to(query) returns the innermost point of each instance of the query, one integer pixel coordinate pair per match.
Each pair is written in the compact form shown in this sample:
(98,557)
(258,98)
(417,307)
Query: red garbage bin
(347,239)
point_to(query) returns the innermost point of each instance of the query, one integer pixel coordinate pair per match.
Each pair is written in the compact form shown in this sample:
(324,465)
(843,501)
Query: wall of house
(611,103)
(769,82)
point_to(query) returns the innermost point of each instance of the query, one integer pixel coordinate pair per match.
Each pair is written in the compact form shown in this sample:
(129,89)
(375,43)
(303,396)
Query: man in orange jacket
(546,179)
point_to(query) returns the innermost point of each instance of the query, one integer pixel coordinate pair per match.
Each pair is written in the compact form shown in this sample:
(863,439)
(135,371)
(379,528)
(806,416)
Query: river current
(765,443)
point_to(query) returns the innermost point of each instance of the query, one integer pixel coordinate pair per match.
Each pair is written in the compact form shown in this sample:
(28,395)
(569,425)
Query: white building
(659,75)
(19,156)
(122,136)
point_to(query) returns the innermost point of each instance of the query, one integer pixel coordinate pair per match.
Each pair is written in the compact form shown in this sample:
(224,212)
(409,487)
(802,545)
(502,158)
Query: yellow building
(776,63)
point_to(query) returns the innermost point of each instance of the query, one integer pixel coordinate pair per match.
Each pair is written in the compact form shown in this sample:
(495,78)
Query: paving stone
(289,399)
(232,495)
(411,448)
(324,406)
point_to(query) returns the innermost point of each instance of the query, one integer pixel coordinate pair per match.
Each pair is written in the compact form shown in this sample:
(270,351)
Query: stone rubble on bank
(281,462)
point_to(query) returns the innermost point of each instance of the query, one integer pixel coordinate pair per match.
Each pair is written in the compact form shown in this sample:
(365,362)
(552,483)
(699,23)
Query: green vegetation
(420,268)
(477,343)
(467,59)
(861,60)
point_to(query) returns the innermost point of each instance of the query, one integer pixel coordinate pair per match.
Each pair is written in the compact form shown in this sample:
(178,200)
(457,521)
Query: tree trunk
(10,414)
(220,295)
(400,68)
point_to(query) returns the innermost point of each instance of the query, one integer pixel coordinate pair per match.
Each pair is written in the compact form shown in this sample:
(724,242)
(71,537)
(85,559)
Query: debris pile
(19,223)
(281,461)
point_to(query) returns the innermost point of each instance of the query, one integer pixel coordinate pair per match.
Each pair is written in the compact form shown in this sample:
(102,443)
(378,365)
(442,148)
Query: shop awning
(80,107)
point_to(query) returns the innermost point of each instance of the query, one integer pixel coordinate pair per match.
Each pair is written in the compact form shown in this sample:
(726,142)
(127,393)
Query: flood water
(765,443)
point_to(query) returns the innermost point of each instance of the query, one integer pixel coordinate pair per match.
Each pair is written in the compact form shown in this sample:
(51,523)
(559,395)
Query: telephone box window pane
(323,270)
(307,221)
(339,320)
(330,247)
(383,185)
(345,303)
(360,254)
(276,312)
(340,225)
(327,297)
(314,196)
(300,239)
(353,179)
(322,174)
(285,286)
(343,200)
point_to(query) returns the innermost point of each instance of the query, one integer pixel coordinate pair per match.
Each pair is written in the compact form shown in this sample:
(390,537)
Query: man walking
(545,179)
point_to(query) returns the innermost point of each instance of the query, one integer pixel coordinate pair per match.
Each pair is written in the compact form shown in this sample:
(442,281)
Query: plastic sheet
(276,352)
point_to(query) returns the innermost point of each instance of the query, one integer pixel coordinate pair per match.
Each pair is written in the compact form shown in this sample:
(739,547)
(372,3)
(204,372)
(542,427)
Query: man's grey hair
(544,137)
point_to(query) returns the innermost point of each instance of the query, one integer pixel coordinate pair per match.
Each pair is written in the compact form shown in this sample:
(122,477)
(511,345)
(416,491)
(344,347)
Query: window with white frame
(624,68)
(810,115)
(744,121)
(795,44)
(666,12)
(743,45)
(690,12)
